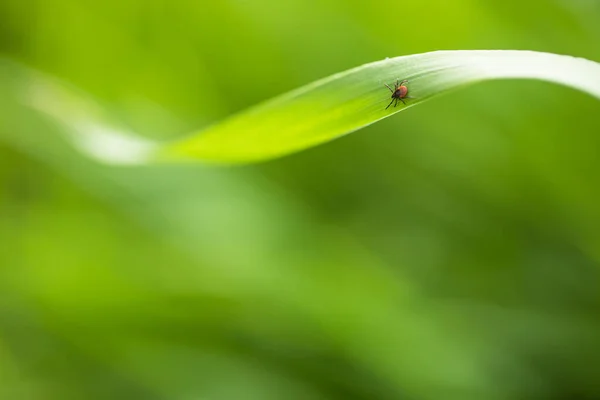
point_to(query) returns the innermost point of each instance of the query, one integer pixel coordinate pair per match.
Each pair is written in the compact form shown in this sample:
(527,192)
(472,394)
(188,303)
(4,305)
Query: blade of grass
(328,108)
(353,99)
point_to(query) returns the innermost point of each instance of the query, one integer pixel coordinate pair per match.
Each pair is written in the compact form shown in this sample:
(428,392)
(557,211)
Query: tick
(399,93)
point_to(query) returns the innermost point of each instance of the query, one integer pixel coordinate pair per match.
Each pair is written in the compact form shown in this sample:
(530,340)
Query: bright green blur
(449,252)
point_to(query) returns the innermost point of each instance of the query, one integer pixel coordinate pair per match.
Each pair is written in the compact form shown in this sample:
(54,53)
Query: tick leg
(403,82)
(402,101)
(388,87)
(390,104)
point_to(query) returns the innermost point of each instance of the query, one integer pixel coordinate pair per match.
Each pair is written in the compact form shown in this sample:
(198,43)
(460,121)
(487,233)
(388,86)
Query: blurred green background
(449,252)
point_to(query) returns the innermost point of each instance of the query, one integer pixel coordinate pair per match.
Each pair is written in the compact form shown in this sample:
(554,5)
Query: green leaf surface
(350,100)
(315,113)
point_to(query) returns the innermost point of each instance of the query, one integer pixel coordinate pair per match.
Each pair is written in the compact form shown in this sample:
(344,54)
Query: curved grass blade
(350,100)
(308,116)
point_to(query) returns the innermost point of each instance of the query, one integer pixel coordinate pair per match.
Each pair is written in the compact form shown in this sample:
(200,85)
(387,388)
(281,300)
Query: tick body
(399,93)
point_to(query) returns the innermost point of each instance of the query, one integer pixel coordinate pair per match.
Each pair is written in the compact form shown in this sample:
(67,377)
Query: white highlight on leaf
(83,122)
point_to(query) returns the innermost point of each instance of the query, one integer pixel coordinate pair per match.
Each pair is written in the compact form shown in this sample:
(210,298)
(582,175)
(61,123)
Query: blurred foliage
(451,252)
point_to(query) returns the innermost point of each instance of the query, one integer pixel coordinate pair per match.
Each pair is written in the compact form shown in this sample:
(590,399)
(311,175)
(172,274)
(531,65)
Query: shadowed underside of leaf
(318,112)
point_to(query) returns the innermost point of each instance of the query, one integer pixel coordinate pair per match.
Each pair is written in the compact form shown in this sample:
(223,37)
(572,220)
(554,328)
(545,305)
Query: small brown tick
(400,92)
